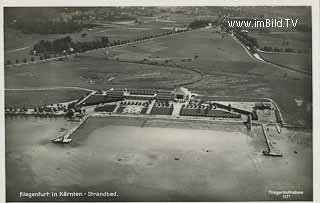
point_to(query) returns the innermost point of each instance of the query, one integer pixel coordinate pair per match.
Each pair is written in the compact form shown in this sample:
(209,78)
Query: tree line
(247,40)
(286,49)
(66,45)
(199,24)
(47,49)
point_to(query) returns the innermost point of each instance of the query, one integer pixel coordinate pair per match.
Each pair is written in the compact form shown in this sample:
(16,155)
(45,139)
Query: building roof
(142,91)
(181,90)
(115,93)
(165,95)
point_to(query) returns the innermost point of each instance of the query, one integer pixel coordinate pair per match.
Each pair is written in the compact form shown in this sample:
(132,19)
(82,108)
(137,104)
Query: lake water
(152,160)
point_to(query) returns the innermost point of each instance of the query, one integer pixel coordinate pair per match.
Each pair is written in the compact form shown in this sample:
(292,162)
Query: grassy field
(228,70)
(224,66)
(19,45)
(31,98)
(214,53)
(178,161)
(94,73)
(154,159)
(296,61)
(296,40)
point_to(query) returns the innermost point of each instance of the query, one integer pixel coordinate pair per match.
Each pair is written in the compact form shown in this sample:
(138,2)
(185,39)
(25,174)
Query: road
(258,58)
(74,54)
(84,99)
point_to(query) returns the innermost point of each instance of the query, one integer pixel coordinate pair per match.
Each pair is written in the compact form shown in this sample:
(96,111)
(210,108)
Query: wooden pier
(271,151)
(66,138)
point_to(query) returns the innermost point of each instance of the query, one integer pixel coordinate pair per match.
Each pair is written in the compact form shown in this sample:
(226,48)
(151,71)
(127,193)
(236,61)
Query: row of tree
(247,40)
(47,49)
(25,60)
(55,46)
(287,49)
(199,24)
(66,45)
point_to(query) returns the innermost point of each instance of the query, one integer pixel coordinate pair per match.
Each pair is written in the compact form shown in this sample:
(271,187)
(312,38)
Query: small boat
(62,140)
(68,140)
(58,140)
(74,119)
(272,153)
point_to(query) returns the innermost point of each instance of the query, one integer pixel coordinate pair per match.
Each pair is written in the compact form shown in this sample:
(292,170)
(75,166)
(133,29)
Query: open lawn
(94,73)
(31,98)
(154,160)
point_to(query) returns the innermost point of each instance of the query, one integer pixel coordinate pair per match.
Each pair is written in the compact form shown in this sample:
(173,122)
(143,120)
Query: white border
(92,3)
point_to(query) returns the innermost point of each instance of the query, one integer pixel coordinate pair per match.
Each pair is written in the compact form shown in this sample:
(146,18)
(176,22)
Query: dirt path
(198,75)
(16,50)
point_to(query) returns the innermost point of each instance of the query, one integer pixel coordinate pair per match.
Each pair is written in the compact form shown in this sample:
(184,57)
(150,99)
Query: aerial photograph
(158,104)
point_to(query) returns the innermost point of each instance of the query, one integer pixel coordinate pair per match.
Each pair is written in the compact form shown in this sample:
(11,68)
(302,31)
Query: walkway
(84,99)
(66,138)
(176,109)
(271,151)
(16,50)
(151,106)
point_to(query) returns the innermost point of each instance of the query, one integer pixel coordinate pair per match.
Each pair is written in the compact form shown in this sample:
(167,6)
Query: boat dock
(271,151)
(66,138)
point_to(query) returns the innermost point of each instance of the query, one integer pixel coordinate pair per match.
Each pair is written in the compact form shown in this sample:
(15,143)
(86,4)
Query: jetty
(271,151)
(66,138)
